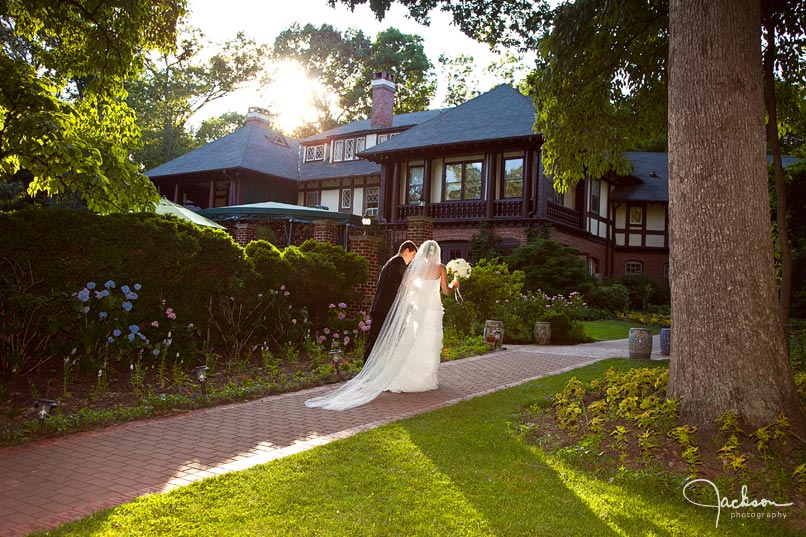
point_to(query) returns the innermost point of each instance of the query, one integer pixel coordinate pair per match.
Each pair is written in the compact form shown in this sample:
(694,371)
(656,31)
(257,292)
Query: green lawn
(455,471)
(607,330)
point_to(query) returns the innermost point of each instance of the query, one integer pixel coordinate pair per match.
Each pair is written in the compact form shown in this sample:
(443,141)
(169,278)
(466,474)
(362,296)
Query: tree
(728,343)
(343,64)
(730,347)
(177,84)
(461,85)
(217,127)
(63,117)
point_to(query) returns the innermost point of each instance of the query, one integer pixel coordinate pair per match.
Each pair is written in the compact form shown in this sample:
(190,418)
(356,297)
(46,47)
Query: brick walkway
(54,481)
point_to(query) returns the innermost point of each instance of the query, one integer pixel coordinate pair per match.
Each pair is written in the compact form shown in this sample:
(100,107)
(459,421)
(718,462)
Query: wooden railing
(467,210)
(564,215)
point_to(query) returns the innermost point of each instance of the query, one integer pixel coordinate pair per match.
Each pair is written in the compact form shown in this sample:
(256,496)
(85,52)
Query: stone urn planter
(665,341)
(542,333)
(640,343)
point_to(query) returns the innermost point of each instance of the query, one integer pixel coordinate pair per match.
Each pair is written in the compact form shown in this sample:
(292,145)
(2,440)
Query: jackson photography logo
(737,504)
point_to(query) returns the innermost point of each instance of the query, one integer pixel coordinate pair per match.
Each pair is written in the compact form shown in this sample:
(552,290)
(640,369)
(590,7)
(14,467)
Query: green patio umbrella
(171,208)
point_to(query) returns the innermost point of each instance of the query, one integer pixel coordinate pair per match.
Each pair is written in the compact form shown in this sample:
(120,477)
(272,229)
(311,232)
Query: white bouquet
(458,268)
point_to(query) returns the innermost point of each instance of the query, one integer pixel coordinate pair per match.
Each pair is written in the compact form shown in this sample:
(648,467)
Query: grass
(461,470)
(608,330)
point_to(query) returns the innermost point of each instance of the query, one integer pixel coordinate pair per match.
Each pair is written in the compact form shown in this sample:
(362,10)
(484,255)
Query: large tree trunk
(780,190)
(728,341)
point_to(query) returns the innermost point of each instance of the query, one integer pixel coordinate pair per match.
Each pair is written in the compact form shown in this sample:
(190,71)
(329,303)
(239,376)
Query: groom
(388,282)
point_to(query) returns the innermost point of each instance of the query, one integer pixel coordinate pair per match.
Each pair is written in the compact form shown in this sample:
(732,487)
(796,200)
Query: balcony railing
(476,210)
(564,215)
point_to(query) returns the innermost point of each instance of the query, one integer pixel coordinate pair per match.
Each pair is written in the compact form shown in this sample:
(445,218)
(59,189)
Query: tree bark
(728,343)
(785,295)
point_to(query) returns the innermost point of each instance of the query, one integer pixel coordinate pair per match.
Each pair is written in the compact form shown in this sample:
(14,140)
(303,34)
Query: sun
(290,96)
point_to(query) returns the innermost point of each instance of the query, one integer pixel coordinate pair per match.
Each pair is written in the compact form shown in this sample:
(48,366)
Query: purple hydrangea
(84,295)
(126,306)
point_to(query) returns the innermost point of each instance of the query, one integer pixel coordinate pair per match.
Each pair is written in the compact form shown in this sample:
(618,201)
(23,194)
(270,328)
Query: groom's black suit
(388,283)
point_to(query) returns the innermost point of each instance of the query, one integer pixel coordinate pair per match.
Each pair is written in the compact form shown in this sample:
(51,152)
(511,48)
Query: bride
(407,353)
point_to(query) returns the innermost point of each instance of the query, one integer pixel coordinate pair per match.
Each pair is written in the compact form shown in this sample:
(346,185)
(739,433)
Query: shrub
(644,291)
(551,267)
(491,284)
(563,328)
(612,298)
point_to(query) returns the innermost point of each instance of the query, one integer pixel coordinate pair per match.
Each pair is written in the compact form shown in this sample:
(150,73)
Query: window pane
(338,150)
(453,182)
(513,178)
(311,199)
(415,184)
(360,143)
(349,147)
(633,267)
(472,181)
(372,197)
(346,198)
(636,215)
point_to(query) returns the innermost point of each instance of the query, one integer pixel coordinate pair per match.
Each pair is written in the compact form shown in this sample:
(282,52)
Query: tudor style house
(452,171)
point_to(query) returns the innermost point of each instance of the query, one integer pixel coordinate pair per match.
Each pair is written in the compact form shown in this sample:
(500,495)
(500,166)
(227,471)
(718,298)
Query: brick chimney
(258,116)
(383,99)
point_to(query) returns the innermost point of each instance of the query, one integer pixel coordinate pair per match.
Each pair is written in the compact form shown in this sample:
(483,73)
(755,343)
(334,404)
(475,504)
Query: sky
(264,20)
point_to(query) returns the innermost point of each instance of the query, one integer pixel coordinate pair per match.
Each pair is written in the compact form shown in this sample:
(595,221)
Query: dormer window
(348,148)
(314,152)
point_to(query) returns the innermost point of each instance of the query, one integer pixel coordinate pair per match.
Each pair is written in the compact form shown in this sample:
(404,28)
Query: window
(312,199)
(382,138)
(596,186)
(372,195)
(415,184)
(314,152)
(347,148)
(636,216)
(346,198)
(593,267)
(633,267)
(513,177)
(462,181)
(338,150)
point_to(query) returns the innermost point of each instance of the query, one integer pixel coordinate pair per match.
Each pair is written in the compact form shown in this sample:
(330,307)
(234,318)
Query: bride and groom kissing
(404,343)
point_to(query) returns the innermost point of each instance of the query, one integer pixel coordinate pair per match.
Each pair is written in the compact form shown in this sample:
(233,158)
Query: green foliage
(551,267)
(174,86)
(643,291)
(484,244)
(564,329)
(490,284)
(61,101)
(612,298)
(343,64)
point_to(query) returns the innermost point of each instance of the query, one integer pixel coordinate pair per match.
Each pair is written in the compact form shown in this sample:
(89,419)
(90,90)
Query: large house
(453,171)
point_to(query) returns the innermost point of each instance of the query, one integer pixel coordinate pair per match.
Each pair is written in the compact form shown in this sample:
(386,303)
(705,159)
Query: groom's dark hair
(407,245)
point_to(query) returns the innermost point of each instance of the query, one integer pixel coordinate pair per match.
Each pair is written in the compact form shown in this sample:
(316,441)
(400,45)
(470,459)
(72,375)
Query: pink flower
(155,324)
(346,340)
(362,326)
(332,306)
(326,330)
(282,288)
(170,313)
(342,305)
(293,321)
(335,335)
(342,316)
(320,339)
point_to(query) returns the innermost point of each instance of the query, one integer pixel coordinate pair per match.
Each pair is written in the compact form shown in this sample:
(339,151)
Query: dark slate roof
(365,125)
(649,180)
(251,147)
(501,113)
(326,170)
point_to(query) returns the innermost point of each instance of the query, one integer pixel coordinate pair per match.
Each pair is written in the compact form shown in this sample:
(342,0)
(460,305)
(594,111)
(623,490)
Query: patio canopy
(167,207)
(272,210)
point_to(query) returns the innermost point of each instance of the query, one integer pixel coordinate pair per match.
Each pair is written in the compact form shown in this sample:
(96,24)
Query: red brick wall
(327,231)
(244,233)
(383,100)
(420,229)
(369,247)
(653,263)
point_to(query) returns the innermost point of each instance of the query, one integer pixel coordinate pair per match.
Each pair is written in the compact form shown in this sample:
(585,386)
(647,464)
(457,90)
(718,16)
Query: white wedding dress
(406,355)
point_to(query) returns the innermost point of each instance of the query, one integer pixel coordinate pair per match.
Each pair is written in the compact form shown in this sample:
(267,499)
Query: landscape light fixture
(201,374)
(366,221)
(43,407)
(335,356)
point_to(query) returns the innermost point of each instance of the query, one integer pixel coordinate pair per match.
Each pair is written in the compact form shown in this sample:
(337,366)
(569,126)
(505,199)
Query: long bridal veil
(397,337)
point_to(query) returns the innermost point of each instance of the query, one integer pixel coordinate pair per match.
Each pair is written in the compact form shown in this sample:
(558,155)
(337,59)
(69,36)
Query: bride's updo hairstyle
(430,250)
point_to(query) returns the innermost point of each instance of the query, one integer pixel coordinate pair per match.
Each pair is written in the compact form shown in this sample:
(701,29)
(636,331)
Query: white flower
(459,268)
